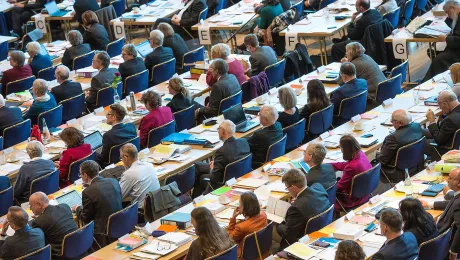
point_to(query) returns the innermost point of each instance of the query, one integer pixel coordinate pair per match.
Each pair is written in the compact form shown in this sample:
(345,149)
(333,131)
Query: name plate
(387,102)
(350,215)
(230,182)
(8,150)
(376,199)
(98,110)
(324,135)
(321,69)
(273,91)
(355,118)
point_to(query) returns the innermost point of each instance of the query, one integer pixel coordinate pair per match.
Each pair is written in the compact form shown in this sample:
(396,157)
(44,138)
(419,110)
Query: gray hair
(156,36)
(2,101)
(130,150)
(269,114)
(402,116)
(130,49)
(103,57)
(35,149)
(287,97)
(62,72)
(447,96)
(317,151)
(228,126)
(355,49)
(41,197)
(220,66)
(33,48)
(75,38)
(40,86)
(450,3)
(18,57)
(220,50)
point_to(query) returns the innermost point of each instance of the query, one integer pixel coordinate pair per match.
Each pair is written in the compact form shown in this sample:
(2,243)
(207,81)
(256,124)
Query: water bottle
(46,133)
(206,57)
(133,101)
(408,184)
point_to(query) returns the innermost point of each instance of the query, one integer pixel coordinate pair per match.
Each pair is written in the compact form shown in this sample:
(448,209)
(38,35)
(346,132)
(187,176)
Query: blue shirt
(39,107)
(40,62)
(349,89)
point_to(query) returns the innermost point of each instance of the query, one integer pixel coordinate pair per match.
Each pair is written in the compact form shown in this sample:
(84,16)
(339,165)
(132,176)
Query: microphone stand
(233,36)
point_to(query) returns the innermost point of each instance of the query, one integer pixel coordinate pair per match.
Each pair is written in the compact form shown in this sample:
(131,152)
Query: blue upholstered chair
(83,61)
(185,119)
(400,69)
(43,253)
(3,50)
(320,121)
(454,145)
(352,106)
(237,168)
(1,142)
(408,10)
(6,200)
(119,6)
(192,57)
(17,133)
(19,85)
(325,3)
(53,117)
(104,96)
(389,88)
(420,5)
(275,73)
(74,168)
(72,107)
(277,149)
(331,193)
(184,179)
(221,5)
(319,221)
(114,153)
(298,7)
(436,248)
(114,48)
(48,183)
(136,83)
(48,73)
(410,155)
(163,71)
(156,134)
(229,254)
(393,17)
(122,222)
(295,134)
(230,101)
(76,244)
(252,246)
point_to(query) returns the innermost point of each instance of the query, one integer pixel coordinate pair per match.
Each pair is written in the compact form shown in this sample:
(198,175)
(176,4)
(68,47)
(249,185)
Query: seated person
(317,100)
(25,239)
(120,132)
(78,47)
(454,70)
(231,150)
(323,174)
(37,61)
(255,220)
(225,86)
(76,149)
(159,55)
(158,115)
(139,178)
(417,220)
(309,202)
(181,96)
(19,71)
(132,64)
(80,6)
(355,163)
(43,101)
(106,75)
(66,88)
(261,140)
(261,56)
(387,6)
(95,34)
(175,42)
(37,167)
(399,246)
(348,250)
(443,131)
(22,12)
(8,115)
(267,10)
(288,100)
(222,51)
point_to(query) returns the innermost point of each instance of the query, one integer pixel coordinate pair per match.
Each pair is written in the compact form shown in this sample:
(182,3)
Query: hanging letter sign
(204,35)
(400,48)
(291,40)
(119,29)
(40,23)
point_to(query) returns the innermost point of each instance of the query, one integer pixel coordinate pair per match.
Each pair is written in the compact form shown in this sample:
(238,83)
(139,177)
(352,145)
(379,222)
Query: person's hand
(19,5)
(74,208)
(353,16)
(424,203)
(29,60)
(28,103)
(56,164)
(445,190)
(442,37)
(256,5)
(344,60)
(236,212)
(430,116)
(86,92)
(452,256)
(211,165)
(6,225)
(12,1)
(306,3)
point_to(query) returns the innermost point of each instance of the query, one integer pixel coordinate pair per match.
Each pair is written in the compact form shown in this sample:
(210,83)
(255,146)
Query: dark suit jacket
(40,62)
(56,222)
(157,56)
(323,174)
(101,199)
(179,102)
(312,201)
(39,4)
(403,247)
(24,241)
(443,131)
(80,6)
(232,150)
(262,139)
(349,89)
(104,76)
(450,215)
(119,134)
(226,86)
(9,116)
(387,155)
(74,51)
(131,67)
(453,39)
(178,47)
(97,37)
(191,15)
(261,58)
(67,89)
(356,30)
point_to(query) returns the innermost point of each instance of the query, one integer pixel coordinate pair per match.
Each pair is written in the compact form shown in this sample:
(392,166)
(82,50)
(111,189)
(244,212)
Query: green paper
(221,190)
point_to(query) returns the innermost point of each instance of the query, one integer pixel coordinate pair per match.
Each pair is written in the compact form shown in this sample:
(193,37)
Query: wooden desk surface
(5,6)
(154,11)
(7,38)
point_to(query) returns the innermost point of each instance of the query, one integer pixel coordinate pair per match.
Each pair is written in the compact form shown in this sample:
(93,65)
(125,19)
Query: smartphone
(331,27)
(321,244)
(367,135)
(370,227)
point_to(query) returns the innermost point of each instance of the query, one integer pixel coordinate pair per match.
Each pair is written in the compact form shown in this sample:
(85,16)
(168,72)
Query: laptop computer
(53,9)
(72,198)
(44,51)
(238,117)
(144,48)
(94,139)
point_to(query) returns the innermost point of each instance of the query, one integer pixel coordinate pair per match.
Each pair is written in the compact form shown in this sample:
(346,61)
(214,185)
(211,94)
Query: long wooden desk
(7,38)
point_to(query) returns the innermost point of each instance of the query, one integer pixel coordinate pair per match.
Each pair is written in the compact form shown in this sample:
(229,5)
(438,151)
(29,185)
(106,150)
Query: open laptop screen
(71,199)
(94,139)
(144,48)
(235,114)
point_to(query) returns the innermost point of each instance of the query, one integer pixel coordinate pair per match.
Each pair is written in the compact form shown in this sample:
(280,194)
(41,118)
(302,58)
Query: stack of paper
(9,168)
(227,214)
(302,251)
(277,186)
(214,207)
(371,238)
(250,183)
(159,247)
(349,232)
(57,144)
(176,238)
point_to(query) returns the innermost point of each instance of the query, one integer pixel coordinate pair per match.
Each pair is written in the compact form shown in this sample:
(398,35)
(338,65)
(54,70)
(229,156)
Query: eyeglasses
(163,246)
(109,114)
(289,186)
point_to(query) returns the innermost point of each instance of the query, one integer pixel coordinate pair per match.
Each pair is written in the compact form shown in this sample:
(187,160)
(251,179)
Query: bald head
(362,5)
(268,115)
(454,180)
(38,202)
(400,118)
(447,101)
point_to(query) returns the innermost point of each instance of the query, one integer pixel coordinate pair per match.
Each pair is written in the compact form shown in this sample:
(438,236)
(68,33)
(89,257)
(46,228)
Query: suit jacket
(403,247)
(178,47)
(40,62)
(119,134)
(104,76)
(309,203)
(179,102)
(101,199)
(450,215)
(191,15)
(9,116)
(444,130)
(239,231)
(37,6)
(157,56)
(231,150)
(356,30)
(29,172)
(80,6)
(68,89)
(56,222)
(262,139)
(323,174)
(97,37)
(368,69)
(349,89)
(24,241)
(453,39)
(14,74)
(74,51)
(387,155)
(226,86)
(263,56)
(131,67)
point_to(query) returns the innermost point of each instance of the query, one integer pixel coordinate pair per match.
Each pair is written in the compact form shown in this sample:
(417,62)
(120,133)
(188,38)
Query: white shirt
(431,203)
(179,15)
(140,179)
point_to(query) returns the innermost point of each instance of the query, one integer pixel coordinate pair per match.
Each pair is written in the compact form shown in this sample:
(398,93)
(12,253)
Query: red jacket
(154,119)
(15,74)
(69,156)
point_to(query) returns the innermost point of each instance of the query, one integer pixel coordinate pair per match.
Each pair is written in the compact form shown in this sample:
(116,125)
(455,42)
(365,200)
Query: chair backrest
(456,140)
(83,61)
(122,222)
(295,134)
(421,4)
(105,96)
(298,7)
(352,106)
(192,57)
(393,17)
(325,3)
(408,10)
(331,193)
(275,72)
(114,48)
(203,15)
(114,153)
(237,168)
(320,121)
(53,117)
(19,85)
(220,6)
(184,179)
(185,119)
(156,134)
(17,133)
(163,71)
(136,83)
(400,69)
(410,155)
(6,200)
(3,50)
(436,248)
(72,107)
(43,253)
(365,183)
(119,6)
(230,101)
(259,241)
(74,168)
(48,183)
(319,221)
(229,254)
(78,242)
(277,149)
(48,73)
(389,88)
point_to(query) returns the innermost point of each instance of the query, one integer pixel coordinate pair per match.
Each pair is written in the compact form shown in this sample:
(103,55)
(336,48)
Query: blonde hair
(177,84)
(455,72)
